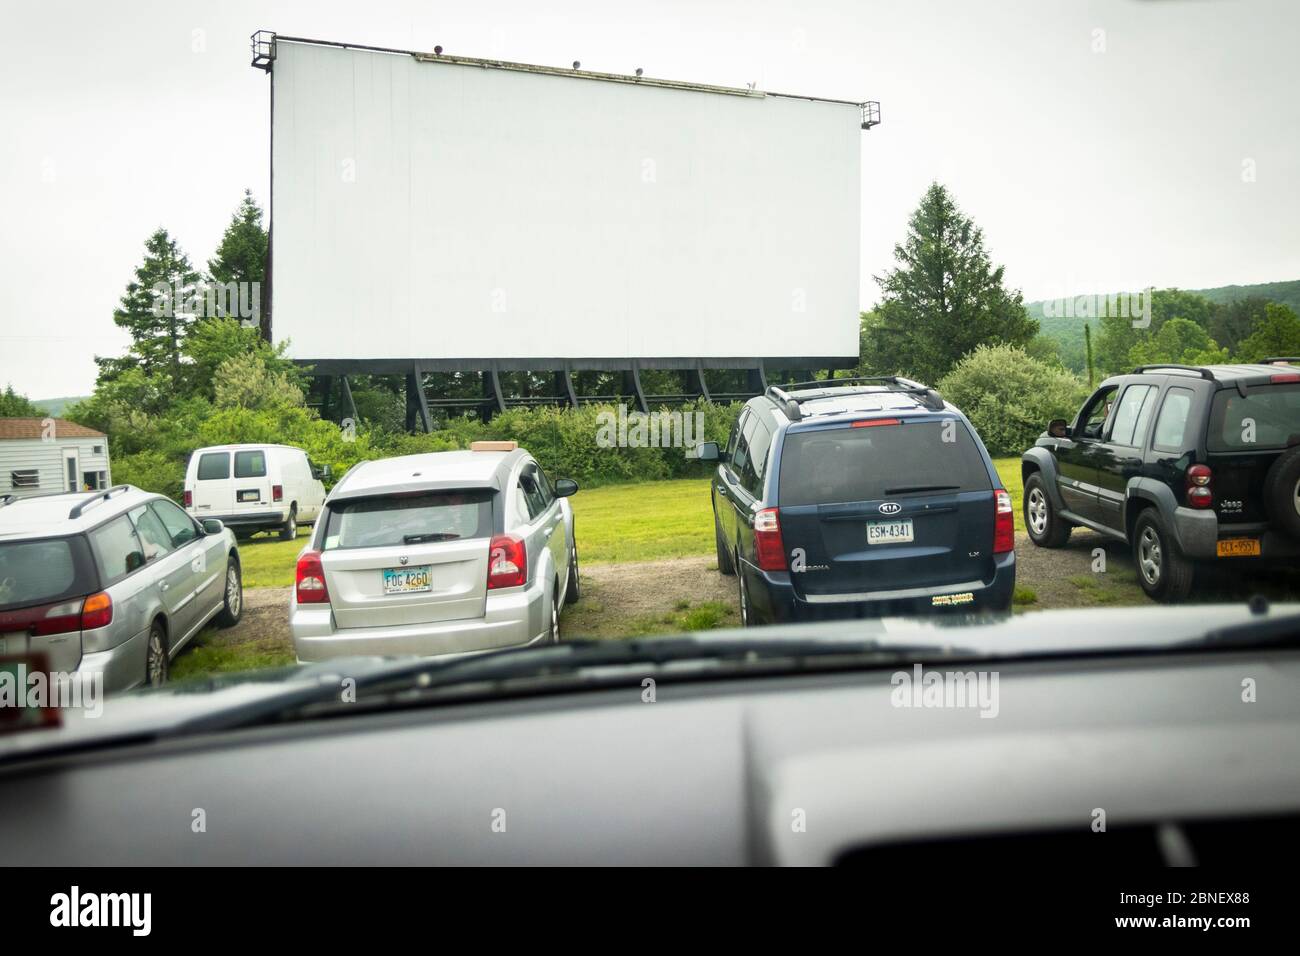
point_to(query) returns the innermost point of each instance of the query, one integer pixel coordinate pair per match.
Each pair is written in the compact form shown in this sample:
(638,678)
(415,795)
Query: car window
(734,438)
(214,465)
(1267,417)
(1093,417)
(1130,409)
(389,522)
(740,458)
(32,572)
(533,493)
(839,465)
(180,527)
(117,549)
(759,441)
(548,489)
(1171,426)
(250,464)
(153,535)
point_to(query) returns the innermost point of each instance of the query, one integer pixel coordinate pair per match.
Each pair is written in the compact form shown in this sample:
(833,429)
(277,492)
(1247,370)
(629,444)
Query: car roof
(1241,374)
(432,471)
(51,514)
(248,446)
(829,402)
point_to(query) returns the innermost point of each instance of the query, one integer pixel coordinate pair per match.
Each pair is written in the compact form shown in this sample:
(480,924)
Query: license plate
(250,495)
(889,532)
(1239,548)
(408,580)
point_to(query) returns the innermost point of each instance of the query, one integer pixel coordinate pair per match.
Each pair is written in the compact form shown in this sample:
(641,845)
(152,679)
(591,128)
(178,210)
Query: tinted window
(1095,413)
(214,465)
(1268,417)
(151,533)
(734,439)
(117,549)
(537,501)
(250,464)
(179,527)
(1131,407)
(389,522)
(883,461)
(740,455)
(760,440)
(1172,423)
(34,572)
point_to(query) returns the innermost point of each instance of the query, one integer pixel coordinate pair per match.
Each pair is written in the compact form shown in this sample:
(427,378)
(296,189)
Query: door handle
(163,585)
(722,490)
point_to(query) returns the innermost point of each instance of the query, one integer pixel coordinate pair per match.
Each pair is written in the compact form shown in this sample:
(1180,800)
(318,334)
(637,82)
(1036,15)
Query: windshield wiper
(904,489)
(430,536)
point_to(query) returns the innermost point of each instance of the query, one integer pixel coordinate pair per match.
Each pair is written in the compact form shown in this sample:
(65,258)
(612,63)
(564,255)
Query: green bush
(151,470)
(1010,397)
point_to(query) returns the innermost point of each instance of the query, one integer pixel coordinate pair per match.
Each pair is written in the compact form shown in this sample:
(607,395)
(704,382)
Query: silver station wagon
(443,553)
(112,582)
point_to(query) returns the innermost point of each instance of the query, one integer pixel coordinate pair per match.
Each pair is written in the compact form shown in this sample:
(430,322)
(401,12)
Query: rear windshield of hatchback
(408,519)
(1268,417)
(831,466)
(35,572)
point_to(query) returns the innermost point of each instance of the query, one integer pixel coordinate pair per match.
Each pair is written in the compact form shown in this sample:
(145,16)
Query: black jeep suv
(856,497)
(1187,464)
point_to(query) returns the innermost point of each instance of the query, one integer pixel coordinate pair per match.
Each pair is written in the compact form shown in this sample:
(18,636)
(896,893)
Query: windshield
(386,522)
(1268,417)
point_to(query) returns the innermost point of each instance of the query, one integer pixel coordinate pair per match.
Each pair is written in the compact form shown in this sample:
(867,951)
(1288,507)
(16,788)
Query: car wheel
(555,615)
(1164,573)
(1046,528)
(572,590)
(1281,492)
(744,595)
(289,530)
(156,663)
(232,608)
(725,565)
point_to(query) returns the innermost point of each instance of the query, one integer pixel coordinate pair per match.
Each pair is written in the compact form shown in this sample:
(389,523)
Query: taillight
(1004,523)
(768,546)
(507,562)
(189,498)
(97,612)
(57,619)
(869,422)
(1199,492)
(277,492)
(1283,378)
(310,580)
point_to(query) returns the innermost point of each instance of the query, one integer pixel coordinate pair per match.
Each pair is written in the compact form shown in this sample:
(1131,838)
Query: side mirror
(327,471)
(565,487)
(213,526)
(1059,428)
(706,451)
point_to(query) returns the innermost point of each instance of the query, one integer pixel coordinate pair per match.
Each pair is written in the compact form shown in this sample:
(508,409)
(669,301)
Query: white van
(253,488)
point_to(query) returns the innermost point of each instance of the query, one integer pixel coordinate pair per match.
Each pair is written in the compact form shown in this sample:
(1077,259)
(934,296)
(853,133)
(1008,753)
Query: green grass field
(646,521)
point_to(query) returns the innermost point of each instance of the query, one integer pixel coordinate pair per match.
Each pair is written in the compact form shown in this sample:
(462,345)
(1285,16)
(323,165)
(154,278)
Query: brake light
(56,619)
(507,562)
(97,611)
(1285,377)
(1199,492)
(1004,523)
(309,582)
(869,422)
(189,498)
(768,546)
(277,492)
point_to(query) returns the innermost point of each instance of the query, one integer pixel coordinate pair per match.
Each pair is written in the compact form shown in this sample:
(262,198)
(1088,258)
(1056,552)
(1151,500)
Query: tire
(232,605)
(572,590)
(743,593)
(157,665)
(725,566)
(289,530)
(1046,528)
(1282,492)
(1162,570)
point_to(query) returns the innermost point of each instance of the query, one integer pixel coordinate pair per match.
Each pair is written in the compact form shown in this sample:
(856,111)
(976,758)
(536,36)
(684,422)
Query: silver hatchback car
(444,553)
(112,582)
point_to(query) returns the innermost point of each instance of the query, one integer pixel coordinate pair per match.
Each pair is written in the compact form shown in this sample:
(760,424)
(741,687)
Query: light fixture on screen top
(577,64)
(438,50)
(639,71)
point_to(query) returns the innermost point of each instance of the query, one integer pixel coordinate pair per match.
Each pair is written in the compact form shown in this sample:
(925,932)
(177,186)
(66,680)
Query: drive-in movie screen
(446,441)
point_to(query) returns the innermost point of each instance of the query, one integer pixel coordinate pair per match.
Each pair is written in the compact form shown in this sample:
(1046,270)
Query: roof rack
(1279,360)
(100,496)
(1205,373)
(780,394)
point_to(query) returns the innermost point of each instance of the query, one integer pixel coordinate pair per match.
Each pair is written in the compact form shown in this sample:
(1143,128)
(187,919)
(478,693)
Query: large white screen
(440,211)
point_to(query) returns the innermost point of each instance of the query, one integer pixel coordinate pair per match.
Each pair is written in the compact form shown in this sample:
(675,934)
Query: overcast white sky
(1093,160)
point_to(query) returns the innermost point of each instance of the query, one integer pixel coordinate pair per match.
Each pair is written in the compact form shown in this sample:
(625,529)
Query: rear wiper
(904,489)
(430,536)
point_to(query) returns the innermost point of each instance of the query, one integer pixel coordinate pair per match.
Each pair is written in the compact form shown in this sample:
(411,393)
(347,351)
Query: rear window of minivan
(405,519)
(826,466)
(214,465)
(250,464)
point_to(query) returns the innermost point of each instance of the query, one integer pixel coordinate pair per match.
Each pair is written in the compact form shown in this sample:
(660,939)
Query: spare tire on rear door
(1282,492)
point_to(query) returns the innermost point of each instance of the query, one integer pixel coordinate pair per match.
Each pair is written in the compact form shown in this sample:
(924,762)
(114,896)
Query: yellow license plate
(1239,548)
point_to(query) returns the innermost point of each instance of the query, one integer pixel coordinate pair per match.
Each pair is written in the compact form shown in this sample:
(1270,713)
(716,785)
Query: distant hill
(1068,331)
(55,406)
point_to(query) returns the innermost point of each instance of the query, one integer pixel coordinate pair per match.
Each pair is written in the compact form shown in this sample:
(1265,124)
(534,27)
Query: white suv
(443,553)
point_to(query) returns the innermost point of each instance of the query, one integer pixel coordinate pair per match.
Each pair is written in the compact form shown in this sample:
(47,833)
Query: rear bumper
(122,666)
(513,618)
(773,598)
(248,519)
(1199,533)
